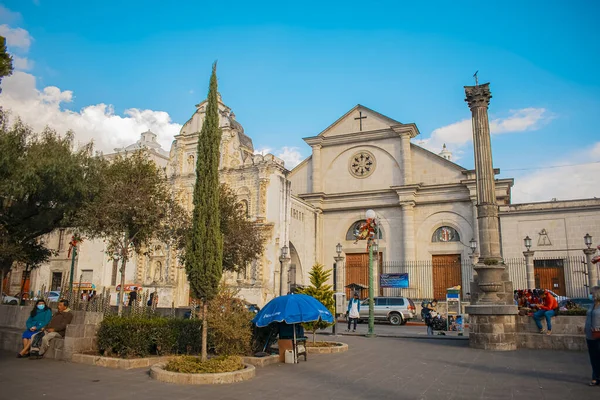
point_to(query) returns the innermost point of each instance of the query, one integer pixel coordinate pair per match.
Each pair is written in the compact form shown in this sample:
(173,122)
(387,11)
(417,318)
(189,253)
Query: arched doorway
(295,268)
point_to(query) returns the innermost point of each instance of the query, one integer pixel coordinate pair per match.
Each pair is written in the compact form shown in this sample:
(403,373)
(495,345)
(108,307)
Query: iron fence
(564,275)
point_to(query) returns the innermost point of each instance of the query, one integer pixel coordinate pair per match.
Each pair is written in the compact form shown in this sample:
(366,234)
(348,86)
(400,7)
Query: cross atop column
(360,118)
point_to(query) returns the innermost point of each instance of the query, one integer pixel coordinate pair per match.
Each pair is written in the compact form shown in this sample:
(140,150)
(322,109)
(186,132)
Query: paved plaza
(378,368)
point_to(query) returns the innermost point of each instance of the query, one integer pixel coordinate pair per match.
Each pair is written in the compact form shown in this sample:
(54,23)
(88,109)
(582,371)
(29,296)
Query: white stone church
(425,206)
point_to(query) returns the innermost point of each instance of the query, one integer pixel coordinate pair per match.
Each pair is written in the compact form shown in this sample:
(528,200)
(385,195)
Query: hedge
(137,336)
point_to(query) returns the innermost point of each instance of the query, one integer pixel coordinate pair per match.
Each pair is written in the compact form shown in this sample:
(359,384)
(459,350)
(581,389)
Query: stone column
(492,311)
(408,230)
(592,269)
(316,169)
(339,281)
(405,158)
(530,269)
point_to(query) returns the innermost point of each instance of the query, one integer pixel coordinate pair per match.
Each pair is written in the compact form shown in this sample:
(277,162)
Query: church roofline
(463,169)
(356,107)
(301,164)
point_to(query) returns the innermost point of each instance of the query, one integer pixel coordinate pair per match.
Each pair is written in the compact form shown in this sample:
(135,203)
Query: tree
(243,240)
(6,66)
(204,250)
(134,207)
(320,290)
(43,182)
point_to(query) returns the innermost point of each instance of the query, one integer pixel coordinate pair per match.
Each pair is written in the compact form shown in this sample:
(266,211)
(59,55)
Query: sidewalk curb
(387,335)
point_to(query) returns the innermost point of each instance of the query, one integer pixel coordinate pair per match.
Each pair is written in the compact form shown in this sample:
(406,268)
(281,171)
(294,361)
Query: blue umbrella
(292,309)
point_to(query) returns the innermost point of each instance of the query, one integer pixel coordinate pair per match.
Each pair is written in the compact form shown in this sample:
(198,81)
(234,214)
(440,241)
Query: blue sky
(290,71)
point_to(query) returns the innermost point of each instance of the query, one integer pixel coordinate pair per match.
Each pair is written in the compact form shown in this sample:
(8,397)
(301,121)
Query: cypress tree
(204,252)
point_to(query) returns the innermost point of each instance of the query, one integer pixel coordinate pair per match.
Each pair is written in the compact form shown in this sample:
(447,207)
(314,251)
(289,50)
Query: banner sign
(393,280)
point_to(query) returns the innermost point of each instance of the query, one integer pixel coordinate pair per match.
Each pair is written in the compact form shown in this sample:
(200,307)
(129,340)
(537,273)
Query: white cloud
(575,181)
(98,122)
(16,37)
(460,133)
(22,63)
(7,16)
(291,156)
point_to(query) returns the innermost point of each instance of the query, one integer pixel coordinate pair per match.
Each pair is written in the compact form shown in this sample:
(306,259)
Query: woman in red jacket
(546,309)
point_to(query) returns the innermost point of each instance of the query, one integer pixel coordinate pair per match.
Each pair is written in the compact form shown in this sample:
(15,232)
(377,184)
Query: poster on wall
(393,280)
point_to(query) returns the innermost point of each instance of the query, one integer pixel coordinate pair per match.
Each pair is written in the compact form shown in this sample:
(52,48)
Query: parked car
(396,310)
(6,299)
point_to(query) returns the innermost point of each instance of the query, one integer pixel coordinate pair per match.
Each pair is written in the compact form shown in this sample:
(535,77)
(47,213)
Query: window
(396,301)
(445,234)
(245,208)
(56,281)
(353,231)
(115,270)
(61,239)
(381,301)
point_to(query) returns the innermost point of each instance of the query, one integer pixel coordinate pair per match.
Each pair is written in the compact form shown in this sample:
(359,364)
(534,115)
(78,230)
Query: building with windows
(425,206)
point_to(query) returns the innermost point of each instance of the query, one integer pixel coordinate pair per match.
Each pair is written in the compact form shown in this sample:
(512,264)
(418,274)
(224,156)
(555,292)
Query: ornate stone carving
(478,96)
(362,164)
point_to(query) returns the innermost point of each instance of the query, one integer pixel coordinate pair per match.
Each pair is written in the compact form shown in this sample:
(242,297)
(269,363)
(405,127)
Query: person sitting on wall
(55,329)
(39,317)
(547,308)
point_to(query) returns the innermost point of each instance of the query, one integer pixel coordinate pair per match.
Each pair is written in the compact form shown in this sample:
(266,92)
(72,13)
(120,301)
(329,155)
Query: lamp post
(370,214)
(336,268)
(473,245)
(592,269)
(529,263)
(282,260)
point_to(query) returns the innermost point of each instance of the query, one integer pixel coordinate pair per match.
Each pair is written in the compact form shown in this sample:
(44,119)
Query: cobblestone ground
(378,368)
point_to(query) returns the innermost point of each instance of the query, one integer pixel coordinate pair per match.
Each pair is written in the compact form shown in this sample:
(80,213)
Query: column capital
(589,251)
(529,253)
(338,258)
(478,96)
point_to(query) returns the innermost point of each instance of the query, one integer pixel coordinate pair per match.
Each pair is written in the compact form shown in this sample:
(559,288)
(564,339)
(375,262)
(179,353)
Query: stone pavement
(378,368)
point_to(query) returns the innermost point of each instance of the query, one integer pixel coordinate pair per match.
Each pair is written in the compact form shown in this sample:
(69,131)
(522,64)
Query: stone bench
(567,334)
(80,336)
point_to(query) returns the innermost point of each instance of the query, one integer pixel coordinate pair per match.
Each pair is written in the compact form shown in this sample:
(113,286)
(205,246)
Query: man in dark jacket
(55,329)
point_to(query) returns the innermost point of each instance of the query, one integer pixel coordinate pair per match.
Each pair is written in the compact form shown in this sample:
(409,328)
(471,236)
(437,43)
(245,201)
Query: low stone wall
(567,334)
(158,372)
(80,336)
(261,361)
(338,348)
(118,363)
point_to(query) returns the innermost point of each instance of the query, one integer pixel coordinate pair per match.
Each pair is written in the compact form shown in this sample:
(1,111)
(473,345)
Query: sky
(110,70)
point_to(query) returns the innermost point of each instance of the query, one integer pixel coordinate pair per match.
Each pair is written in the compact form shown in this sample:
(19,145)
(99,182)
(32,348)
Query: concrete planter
(337,347)
(261,361)
(118,363)
(158,372)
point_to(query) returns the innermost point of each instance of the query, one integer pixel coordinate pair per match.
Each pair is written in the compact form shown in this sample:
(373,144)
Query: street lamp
(527,242)
(588,240)
(282,258)
(473,245)
(336,269)
(338,249)
(373,247)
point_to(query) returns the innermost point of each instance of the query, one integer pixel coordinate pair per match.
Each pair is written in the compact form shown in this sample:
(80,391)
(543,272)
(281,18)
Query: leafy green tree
(43,182)
(320,290)
(6,66)
(134,207)
(204,250)
(243,240)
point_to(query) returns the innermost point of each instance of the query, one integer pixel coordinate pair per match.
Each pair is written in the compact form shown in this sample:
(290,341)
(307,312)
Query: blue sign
(393,280)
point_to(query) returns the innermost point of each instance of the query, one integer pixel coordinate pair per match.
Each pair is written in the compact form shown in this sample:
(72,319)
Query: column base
(492,327)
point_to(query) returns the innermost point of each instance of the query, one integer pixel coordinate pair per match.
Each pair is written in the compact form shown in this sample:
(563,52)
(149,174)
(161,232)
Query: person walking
(592,335)
(547,309)
(353,312)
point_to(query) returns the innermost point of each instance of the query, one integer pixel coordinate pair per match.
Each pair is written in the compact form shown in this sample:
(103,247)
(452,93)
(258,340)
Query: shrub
(139,336)
(229,325)
(193,365)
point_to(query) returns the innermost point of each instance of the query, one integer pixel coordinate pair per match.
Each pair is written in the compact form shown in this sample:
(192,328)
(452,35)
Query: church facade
(425,206)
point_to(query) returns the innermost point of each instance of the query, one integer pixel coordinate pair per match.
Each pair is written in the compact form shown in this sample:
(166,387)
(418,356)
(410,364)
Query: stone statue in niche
(158,276)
